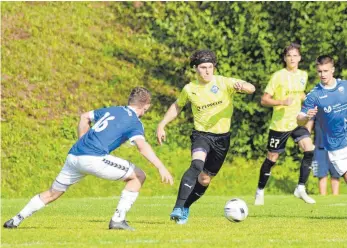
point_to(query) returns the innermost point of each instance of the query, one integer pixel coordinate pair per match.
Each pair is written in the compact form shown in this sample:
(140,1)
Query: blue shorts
(322,166)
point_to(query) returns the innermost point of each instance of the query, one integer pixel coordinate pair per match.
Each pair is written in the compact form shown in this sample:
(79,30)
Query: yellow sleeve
(230,82)
(182,98)
(306,79)
(271,86)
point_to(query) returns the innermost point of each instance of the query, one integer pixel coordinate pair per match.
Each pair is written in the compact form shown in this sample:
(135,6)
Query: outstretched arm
(84,124)
(244,87)
(146,150)
(169,116)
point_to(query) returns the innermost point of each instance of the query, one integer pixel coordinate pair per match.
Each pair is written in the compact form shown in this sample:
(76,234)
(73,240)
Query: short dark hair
(291,46)
(139,96)
(203,56)
(324,59)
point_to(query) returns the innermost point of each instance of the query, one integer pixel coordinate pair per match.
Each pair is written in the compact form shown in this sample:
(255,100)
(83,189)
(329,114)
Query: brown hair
(139,96)
(324,59)
(291,47)
(203,56)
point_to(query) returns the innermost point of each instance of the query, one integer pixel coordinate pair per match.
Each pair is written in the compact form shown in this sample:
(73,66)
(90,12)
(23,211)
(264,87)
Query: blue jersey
(332,113)
(113,126)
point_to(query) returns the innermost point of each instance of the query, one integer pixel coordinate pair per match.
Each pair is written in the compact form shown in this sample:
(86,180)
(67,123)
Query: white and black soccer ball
(236,210)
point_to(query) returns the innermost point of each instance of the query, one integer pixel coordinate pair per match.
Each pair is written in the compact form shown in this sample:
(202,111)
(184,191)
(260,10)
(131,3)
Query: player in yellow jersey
(284,93)
(211,98)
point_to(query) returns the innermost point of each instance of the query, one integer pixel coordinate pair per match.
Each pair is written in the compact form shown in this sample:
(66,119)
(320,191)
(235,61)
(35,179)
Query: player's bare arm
(268,101)
(169,116)
(303,119)
(146,150)
(244,87)
(84,124)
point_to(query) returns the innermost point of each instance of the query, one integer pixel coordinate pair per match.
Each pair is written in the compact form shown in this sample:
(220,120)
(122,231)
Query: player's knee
(267,165)
(306,144)
(193,172)
(273,156)
(140,175)
(57,186)
(196,166)
(204,179)
(307,159)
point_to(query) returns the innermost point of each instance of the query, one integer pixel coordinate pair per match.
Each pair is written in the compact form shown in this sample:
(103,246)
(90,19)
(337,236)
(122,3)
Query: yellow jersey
(212,103)
(284,84)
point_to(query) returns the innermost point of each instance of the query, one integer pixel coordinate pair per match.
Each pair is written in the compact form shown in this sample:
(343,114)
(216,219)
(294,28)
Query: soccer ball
(236,210)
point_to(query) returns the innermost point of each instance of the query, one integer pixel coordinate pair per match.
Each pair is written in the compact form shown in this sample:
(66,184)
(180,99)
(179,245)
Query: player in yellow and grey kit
(284,93)
(211,98)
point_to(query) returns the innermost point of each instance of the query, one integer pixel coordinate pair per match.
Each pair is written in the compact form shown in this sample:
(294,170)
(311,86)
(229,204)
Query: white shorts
(339,159)
(77,167)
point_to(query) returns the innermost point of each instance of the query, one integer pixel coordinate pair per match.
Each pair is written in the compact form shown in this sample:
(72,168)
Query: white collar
(132,109)
(329,87)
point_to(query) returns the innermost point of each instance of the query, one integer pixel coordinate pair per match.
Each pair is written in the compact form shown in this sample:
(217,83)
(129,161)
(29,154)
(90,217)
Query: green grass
(283,222)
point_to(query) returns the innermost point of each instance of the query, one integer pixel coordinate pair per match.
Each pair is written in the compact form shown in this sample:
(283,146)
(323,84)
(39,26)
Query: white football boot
(301,194)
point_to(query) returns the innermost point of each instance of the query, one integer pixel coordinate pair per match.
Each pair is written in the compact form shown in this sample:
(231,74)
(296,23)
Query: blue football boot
(184,219)
(176,214)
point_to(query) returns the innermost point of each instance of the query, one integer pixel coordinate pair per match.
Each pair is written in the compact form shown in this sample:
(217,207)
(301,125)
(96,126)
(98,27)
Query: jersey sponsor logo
(325,96)
(214,89)
(293,92)
(209,105)
(327,109)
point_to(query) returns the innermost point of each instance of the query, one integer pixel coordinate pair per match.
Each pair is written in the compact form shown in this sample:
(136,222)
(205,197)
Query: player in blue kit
(321,164)
(90,155)
(327,102)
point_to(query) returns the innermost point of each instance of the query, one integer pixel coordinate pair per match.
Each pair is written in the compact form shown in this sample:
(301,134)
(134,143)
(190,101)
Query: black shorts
(277,140)
(216,147)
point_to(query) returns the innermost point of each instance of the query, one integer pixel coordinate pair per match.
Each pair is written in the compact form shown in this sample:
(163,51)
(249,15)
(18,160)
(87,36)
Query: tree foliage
(248,38)
(60,59)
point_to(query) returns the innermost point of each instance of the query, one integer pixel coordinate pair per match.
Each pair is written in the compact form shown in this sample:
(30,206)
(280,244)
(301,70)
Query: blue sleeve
(309,103)
(98,113)
(136,130)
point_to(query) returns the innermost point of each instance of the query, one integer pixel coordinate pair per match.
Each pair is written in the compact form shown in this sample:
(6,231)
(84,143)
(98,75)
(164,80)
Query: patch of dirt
(10,30)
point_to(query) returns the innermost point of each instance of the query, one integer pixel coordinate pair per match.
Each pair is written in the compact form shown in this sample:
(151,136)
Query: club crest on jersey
(302,81)
(327,109)
(341,89)
(214,89)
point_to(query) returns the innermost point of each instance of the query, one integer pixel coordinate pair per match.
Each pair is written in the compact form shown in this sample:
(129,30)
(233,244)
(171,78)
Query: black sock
(197,192)
(188,182)
(265,173)
(305,167)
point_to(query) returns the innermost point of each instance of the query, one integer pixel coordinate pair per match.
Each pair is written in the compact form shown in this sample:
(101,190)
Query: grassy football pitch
(283,221)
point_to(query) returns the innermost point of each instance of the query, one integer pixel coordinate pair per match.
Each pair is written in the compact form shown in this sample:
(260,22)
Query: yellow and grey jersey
(284,84)
(212,103)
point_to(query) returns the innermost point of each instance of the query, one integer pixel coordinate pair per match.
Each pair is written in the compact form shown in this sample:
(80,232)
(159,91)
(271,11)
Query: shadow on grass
(136,221)
(296,216)
(149,222)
